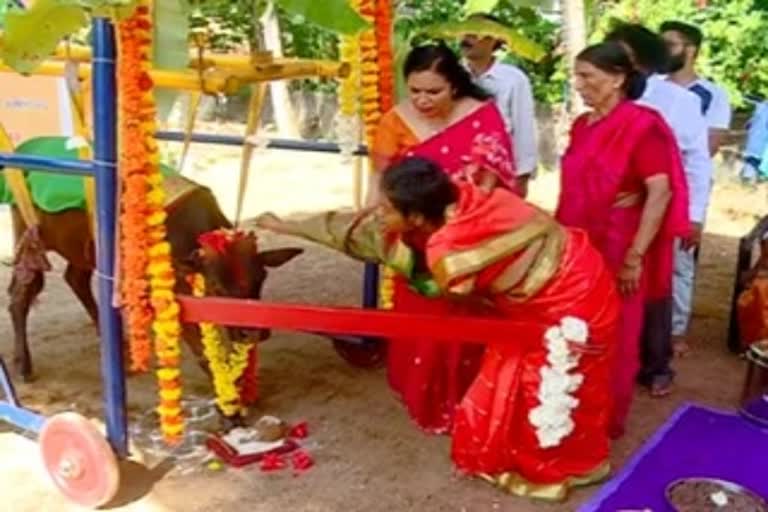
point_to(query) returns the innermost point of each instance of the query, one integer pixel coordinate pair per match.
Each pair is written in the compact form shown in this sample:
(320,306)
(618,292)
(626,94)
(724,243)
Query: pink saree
(432,378)
(599,162)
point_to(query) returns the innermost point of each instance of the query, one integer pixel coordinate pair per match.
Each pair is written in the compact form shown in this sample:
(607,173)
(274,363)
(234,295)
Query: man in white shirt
(682,111)
(514,96)
(683,43)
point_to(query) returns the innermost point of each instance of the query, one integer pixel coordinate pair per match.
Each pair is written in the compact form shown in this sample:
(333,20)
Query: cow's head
(233,266)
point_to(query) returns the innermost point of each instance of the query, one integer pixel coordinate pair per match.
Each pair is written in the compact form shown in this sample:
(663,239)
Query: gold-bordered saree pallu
(534,422)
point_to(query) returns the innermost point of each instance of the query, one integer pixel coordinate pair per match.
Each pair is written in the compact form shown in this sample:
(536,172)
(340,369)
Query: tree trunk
(575,26)
(285,116)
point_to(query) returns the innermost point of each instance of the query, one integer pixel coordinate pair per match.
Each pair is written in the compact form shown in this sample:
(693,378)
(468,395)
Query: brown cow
(192,211)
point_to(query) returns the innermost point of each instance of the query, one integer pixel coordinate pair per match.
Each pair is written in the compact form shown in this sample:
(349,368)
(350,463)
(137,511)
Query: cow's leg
(23,292)
(79,280)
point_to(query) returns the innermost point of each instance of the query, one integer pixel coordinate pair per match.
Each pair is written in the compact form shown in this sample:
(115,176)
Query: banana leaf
(32,34)
(115,9)
(475,6)
(516,43)
(334,15)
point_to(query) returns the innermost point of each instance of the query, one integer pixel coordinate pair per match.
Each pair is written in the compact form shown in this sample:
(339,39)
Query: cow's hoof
(24,373)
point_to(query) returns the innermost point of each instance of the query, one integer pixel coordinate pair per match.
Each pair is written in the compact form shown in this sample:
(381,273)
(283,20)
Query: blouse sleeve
(386,142)
(652,155)
(355,234)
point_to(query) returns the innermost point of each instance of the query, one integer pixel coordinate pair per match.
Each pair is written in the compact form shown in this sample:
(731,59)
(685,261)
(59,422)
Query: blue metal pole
(235,140)
(105,169)
(34,163)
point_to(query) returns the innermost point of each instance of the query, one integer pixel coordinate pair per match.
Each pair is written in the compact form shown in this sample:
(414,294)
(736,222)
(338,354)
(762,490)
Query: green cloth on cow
(52,192)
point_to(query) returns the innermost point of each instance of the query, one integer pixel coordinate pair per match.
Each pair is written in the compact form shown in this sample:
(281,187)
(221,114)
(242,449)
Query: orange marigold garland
(383,26)
(148,277)
(134,46)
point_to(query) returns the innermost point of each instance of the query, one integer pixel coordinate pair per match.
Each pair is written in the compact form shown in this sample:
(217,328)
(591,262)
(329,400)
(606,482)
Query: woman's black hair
(443,61)
(419,186)
(611,57)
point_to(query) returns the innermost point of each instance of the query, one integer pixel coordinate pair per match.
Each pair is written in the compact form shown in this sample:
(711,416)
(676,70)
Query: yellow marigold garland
(369,79)
(348,122)
(377,92)
(148,276)
(226,366)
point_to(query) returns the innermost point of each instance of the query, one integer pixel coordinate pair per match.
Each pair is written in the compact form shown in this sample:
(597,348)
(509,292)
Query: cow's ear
(278,257)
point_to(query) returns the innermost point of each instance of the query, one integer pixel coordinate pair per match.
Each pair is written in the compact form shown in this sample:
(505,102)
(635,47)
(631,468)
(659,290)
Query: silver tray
(725,485)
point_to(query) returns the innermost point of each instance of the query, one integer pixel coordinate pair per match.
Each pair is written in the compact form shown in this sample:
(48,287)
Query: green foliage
(334,15)
(524,20)
(548,75)
(516,43)
(49,21)
(735,32)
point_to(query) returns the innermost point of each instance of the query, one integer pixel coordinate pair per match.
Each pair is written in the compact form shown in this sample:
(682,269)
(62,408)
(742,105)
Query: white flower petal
(576,381)
(719,498)
(574,329)
(554,335)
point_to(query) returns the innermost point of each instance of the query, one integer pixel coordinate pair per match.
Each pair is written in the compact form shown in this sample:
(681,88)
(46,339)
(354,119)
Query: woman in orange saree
(445,118)
(534,420)
(623,183)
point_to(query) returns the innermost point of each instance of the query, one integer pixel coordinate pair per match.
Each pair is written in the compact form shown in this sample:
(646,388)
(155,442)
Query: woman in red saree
(445,118)
(534,420)
(623,183)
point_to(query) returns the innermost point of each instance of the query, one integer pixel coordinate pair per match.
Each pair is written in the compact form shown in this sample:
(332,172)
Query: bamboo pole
(255,110)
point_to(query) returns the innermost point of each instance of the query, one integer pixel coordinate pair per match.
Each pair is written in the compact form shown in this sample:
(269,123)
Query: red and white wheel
(79,460)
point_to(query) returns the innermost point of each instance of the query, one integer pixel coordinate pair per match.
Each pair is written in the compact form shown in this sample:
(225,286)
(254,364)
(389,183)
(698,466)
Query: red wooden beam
(352,321)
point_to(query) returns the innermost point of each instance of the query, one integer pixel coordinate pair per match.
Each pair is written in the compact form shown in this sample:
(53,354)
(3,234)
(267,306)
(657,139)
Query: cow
(192,210)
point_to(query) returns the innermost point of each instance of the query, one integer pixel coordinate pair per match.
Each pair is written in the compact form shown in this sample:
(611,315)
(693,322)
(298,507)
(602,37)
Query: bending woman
(623,182)
(448,119)
(534,420)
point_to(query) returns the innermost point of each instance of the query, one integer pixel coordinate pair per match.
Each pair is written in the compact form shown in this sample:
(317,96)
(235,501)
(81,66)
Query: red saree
(431,378)
(534,419)
(527,424)
(614,156)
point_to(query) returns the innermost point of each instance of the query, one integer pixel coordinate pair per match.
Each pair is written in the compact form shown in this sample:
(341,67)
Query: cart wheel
(361,352)
(79,460)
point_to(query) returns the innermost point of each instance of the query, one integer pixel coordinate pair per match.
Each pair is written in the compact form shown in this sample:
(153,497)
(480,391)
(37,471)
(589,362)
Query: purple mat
(694,442)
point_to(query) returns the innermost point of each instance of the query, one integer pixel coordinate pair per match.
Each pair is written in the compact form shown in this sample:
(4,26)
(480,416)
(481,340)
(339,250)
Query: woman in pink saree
(623,182)
(449,120)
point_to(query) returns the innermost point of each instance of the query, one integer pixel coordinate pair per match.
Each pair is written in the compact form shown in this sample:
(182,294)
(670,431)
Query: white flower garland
(552,418)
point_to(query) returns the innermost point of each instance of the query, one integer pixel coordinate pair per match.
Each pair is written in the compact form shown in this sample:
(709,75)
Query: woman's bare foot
(661,390)
(680,347)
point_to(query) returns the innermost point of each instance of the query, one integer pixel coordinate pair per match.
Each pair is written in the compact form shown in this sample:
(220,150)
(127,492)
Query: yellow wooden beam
(261,69)
(211,82)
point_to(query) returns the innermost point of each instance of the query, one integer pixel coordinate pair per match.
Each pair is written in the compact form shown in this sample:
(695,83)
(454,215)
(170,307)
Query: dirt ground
(369,456)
